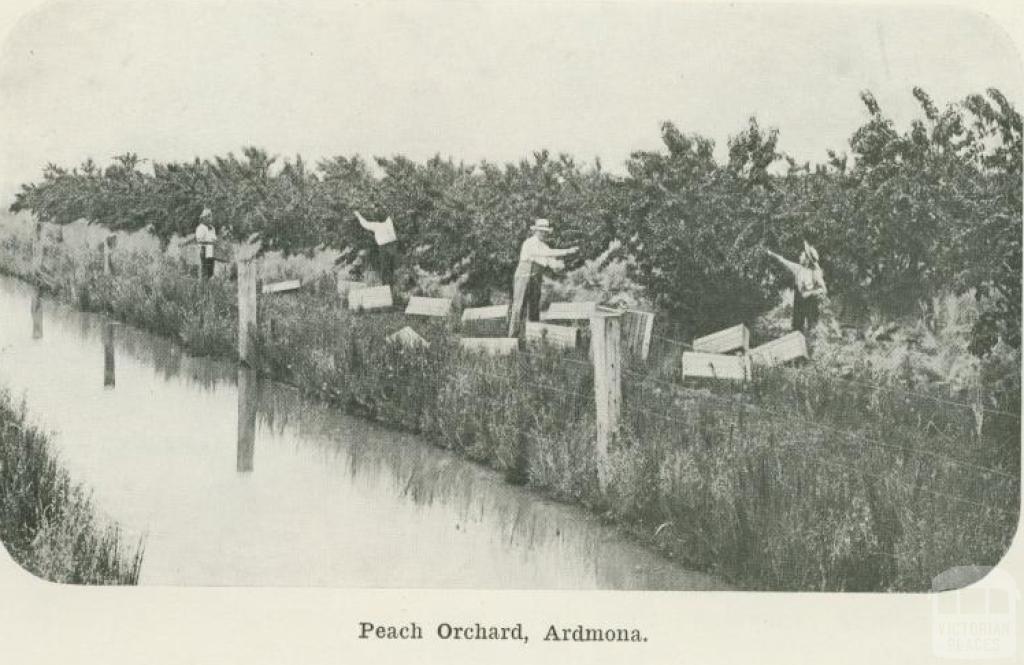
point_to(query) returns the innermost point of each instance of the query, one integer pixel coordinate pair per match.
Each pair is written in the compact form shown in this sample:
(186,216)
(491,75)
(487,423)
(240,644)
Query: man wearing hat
(809,287)
(206,237)
(534,256)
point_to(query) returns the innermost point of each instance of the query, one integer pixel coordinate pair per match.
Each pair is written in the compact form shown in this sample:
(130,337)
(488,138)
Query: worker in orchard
(387,246)
(534,256)
(809,290)
(206,238)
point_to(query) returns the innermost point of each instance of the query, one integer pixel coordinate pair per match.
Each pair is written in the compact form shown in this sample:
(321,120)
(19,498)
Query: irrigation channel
(234,479)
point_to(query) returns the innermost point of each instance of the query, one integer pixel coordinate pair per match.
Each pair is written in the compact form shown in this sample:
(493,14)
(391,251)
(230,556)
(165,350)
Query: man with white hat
(206,237)
(534,256)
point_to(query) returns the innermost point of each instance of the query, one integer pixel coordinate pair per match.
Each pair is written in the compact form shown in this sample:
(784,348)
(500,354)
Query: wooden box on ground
(485,313)
(637,328)
(346,286)
(421,306)
(569,311)
(563,337)
(724,341)
(409,338)
(282,287)
(782,350)
(491,321)
(715,366)
(373,297)
(498,346)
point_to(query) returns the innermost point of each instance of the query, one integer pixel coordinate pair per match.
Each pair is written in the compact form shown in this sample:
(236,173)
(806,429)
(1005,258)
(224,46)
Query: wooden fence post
(108,355)
(37,315)
(247,307)
(606,347)
(107,251)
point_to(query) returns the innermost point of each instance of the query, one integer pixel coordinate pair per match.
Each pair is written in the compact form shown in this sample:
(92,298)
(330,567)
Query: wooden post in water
(248,401)
(108,249)
(37,315)
(108,355)
(606,346)
(247,307)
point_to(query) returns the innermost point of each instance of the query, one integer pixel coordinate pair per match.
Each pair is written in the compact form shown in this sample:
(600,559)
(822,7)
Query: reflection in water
(337,501)
(37,316)
(474,498)
(161,355)
(248,403)
(108,354)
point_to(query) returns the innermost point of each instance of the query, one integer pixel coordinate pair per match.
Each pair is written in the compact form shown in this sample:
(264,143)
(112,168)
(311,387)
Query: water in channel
(236,480)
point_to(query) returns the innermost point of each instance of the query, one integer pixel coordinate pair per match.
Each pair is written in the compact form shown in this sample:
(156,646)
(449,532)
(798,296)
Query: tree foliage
(904,215)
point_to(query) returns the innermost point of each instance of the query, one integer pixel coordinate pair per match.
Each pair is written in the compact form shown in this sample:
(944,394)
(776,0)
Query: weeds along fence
(789,495)
(798,479)
(488,408)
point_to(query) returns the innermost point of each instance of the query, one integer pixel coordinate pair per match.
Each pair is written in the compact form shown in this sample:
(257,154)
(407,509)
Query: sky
(470,80)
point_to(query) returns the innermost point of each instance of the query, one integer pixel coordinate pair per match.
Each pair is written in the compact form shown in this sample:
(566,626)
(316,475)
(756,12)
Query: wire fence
(504,391)
(726,406)
(977,406)
(504,379)
(540,394)
(649,397)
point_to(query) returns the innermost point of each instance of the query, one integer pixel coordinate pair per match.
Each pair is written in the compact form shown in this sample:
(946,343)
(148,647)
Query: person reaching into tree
(206,238)
(387,246)
(534,256)
(809,289)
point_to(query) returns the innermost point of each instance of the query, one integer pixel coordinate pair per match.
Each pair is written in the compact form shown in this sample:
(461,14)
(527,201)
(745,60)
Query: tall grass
(808,478)
(806,481)
(47,522)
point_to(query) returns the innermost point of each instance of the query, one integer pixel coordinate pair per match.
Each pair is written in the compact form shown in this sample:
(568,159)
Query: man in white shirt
(534,256)
(387,246)
(206,237)
(809,288)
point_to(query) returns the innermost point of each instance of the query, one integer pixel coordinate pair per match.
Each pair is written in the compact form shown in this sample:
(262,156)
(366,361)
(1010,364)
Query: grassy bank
(46,521)
(822,477)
